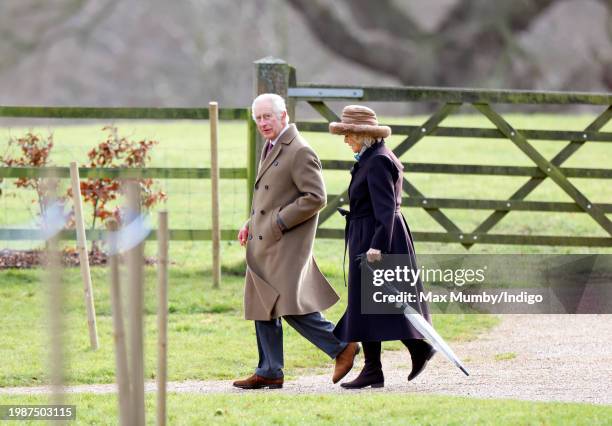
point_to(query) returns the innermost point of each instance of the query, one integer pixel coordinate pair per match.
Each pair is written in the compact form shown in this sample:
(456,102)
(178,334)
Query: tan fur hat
(359,120)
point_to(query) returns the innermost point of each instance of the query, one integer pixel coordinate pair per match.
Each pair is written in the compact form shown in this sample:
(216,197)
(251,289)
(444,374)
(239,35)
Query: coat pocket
(277,233)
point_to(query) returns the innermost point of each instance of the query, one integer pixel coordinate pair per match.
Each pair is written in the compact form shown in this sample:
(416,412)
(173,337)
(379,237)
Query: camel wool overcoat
(282,277)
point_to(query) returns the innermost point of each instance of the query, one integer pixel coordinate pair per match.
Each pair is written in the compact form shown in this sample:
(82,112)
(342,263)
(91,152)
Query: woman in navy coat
(375,226)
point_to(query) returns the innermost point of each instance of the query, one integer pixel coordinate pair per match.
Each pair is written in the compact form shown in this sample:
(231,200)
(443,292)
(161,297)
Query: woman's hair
(366,140)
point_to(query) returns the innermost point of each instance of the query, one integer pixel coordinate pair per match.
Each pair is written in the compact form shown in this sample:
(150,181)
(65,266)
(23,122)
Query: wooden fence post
(292,82)
(121,360)
(273,75)
(55,296)
(83,255)
(251,159)
(162,316)
(213,113)
(135,258)
(56,320)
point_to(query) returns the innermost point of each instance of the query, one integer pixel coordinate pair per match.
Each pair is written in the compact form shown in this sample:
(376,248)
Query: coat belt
(348,216)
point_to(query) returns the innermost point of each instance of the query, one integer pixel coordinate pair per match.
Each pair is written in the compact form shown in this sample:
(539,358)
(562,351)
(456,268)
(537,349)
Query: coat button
(256,186)
(250,237)
(260,237)
(276,163)
(266,187)
(263,212)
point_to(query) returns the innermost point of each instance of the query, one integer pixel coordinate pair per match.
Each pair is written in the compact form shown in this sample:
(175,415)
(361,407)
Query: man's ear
(284,117)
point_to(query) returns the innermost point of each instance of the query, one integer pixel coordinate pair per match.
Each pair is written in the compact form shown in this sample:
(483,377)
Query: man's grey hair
(278,104)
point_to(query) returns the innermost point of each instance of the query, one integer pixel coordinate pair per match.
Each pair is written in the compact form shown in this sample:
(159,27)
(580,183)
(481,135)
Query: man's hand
(243,234)
(373,255)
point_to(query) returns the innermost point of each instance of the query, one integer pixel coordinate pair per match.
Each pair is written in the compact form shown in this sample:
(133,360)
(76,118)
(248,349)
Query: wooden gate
(280,77)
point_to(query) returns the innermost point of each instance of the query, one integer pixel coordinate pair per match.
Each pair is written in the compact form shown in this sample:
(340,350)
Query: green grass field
(366,409)
(207,336)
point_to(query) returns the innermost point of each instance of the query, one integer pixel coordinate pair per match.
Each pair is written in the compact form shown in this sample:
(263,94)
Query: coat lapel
(362,162)
(285,139)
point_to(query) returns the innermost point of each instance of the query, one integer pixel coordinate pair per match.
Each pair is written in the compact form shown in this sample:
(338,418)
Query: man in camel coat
(282,278)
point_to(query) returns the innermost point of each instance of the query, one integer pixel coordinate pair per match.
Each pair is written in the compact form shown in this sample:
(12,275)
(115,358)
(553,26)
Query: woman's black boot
(371,374)
(420,352)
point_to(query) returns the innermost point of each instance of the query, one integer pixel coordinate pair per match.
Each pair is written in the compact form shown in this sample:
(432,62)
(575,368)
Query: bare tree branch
(473,38)
(376,49)
(384,14)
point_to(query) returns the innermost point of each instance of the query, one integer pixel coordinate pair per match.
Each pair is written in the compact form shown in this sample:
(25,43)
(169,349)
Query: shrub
(34,152)
(116,151)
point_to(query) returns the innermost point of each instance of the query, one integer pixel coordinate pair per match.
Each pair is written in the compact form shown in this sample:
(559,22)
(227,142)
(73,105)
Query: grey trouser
(313,327)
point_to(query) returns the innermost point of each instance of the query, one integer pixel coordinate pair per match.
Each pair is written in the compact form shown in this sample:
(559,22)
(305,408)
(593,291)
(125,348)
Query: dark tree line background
(185,53)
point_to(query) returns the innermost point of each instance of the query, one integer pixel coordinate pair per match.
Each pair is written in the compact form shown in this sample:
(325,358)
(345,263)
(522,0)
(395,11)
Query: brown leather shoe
(259,382)
(344,361)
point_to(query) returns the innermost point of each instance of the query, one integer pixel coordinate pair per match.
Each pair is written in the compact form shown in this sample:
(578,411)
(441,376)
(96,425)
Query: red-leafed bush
(33,151)
(116,151)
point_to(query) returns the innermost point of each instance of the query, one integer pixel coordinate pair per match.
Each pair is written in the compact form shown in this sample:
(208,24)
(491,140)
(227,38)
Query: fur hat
(359,120)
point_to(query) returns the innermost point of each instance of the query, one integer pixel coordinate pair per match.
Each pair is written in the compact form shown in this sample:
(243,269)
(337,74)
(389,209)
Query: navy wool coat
(375,195)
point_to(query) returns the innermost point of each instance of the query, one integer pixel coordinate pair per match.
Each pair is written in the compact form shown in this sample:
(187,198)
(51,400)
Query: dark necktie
(268,148)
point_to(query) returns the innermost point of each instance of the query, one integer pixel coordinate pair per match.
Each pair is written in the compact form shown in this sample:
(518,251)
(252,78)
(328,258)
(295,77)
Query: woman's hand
(373,255)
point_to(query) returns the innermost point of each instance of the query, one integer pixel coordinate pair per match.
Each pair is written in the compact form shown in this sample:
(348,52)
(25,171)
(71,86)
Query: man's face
(268,123)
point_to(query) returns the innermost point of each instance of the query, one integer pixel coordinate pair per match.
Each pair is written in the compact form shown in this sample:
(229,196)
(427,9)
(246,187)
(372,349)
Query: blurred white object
(130,235)
(53,220)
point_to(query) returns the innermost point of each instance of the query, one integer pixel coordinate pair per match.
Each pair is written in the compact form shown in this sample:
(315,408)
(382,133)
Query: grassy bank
(379,409)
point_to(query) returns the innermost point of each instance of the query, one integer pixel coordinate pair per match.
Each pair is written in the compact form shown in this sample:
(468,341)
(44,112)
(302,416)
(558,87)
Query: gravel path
(527,357)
